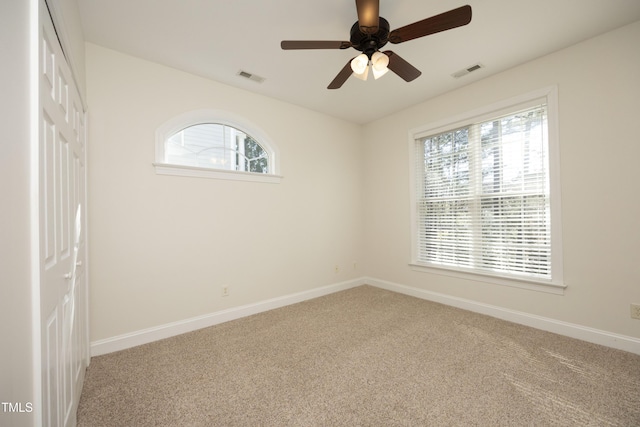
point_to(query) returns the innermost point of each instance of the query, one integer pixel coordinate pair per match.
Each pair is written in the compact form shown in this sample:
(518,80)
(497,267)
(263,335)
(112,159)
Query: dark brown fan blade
(445,21)
(342,76)
(401,67)
(313,44)
(368,15)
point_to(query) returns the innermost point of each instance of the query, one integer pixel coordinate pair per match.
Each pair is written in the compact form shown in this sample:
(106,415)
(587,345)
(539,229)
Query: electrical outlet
(635,311)
(225,291)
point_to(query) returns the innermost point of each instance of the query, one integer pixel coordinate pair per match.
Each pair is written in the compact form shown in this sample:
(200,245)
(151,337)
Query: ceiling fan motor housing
(370,43)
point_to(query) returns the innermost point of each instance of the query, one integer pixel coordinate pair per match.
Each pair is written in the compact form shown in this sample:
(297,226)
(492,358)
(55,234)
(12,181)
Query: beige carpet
(364,357)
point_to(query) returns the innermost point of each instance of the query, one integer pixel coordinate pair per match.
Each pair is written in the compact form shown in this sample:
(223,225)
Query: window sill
(530,284)
(190,171)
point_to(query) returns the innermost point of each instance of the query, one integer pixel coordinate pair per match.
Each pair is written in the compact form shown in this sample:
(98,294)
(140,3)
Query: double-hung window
(486,194)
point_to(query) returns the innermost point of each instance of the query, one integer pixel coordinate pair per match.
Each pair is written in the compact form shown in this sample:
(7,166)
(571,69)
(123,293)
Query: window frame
(205,116)
(554,285)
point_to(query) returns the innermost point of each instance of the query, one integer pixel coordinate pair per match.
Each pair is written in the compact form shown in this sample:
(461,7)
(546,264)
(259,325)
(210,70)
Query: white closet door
(63,310)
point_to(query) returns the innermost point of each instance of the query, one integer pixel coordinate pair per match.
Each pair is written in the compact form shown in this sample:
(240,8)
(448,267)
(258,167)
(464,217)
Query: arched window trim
(226,118)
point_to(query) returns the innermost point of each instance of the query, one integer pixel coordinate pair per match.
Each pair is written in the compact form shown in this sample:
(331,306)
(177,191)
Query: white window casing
(486,206)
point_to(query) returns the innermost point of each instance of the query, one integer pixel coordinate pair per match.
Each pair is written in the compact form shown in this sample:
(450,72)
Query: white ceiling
(218,38)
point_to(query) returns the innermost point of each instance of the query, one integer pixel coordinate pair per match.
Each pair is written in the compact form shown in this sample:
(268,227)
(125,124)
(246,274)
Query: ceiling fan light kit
(371,32)
(378,64)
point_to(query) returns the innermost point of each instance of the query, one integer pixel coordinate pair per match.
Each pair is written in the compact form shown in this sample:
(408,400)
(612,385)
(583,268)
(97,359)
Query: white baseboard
(144,336)
(596,336)
(572,330)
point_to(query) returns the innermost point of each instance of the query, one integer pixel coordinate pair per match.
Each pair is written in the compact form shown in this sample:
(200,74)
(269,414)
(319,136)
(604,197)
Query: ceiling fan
(371,32)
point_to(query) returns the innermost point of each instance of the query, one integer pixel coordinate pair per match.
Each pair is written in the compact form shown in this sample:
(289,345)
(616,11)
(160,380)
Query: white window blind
(483,199)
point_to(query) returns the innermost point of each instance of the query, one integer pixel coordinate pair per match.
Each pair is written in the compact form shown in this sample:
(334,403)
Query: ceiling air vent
(467,70)
(250,76)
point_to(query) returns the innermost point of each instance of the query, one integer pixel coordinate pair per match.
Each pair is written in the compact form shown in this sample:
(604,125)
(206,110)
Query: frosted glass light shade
(379,63)
(360,66)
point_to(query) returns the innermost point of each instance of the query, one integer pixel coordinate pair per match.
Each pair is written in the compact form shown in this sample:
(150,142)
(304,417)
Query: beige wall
(161,247)
(16,351)
(599,107)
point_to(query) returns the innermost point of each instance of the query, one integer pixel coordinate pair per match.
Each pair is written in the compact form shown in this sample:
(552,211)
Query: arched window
(215,144)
